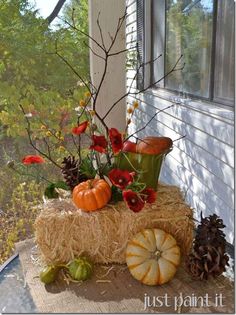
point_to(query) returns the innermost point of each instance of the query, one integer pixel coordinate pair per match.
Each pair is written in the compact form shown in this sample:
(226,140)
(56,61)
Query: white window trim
(214,110)
(210,108)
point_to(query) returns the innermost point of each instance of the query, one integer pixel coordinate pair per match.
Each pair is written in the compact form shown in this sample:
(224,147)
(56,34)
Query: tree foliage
(31,74)
(189,32)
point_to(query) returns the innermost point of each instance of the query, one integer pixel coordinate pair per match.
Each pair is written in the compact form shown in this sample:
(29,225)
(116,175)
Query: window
(201,30)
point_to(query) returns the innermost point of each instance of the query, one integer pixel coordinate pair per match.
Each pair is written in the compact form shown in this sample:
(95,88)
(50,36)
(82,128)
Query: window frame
(148,75)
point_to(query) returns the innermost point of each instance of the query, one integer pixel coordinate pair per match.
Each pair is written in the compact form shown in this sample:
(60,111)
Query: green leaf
(62,185)
(136,186)
(105,169)
(116,194)
(50,191)
(86,168)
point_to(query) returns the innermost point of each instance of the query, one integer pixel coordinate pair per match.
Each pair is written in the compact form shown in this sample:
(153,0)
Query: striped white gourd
(153,256)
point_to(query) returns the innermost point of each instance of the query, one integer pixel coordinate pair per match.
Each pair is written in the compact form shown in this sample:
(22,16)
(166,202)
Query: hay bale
(64,232)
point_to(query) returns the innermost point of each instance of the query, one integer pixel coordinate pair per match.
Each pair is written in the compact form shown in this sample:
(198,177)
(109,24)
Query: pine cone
(71,172)
(209,232)
(208,257)
(194,266)
(208,261)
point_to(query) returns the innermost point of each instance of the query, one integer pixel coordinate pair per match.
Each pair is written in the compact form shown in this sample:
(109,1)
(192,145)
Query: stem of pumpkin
(90,183)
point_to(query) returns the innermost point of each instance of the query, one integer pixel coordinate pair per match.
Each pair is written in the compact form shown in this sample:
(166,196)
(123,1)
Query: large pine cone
(208,257)
(209,233)
(207,261)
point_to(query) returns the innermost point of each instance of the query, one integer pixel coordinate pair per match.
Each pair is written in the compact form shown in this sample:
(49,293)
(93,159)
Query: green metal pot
(147,166)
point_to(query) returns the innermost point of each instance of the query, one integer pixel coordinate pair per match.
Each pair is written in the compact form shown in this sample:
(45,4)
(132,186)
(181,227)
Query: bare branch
(54,134)
(94,52)
(159,111)
(48,147)
(102,121)
(128,93)
(100,84)
(182,137)
(28,129)
(83,33)
(119,25)
(30,175)
(73,70)
(173,69)
(100,31)
(140,66)
(118,52)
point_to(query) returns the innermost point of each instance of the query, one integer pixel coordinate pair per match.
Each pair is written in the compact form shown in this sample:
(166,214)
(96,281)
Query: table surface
(15,295)
(115,291)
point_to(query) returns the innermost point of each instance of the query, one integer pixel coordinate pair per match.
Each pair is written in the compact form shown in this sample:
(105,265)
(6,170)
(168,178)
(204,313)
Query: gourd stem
(62,266)
(156,255)
(90,184)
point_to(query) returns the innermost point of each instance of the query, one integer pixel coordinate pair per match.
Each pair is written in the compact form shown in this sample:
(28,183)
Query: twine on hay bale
(64,232)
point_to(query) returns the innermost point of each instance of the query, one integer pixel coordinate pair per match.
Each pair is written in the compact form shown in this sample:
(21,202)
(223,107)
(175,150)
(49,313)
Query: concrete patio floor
(117,292)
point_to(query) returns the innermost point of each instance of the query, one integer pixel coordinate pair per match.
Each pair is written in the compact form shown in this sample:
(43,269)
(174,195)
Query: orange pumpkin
(154,145)
(91,195)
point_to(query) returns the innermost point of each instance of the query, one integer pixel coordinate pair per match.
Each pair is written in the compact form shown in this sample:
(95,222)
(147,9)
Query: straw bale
(64,232)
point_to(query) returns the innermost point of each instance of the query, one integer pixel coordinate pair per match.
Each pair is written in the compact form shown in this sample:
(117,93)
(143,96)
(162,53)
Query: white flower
(77,109)
(29,115)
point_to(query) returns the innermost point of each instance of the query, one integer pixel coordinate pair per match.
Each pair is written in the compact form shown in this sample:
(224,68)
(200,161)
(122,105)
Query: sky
(45,6)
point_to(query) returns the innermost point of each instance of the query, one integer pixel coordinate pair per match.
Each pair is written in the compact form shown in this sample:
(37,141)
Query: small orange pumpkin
(154,145)
(92,194)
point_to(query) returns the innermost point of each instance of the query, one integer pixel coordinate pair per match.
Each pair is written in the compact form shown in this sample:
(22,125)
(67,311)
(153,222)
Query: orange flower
(82,103)
(99,144)
(80,129)
(135,104)
(32,159)
(130,110)
(87,94)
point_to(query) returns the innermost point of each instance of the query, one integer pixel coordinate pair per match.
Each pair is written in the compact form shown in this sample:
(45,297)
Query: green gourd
(80,269)
(49,274)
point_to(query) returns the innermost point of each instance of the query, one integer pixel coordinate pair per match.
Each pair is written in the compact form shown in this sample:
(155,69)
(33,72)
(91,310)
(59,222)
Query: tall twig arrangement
(106,143)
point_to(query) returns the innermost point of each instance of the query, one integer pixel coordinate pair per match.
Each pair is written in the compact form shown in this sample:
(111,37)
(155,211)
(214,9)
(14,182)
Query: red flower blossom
(133,200)
(80,129)
(116,140)
(120,178)
(32,159)
(149,195)
(99,144)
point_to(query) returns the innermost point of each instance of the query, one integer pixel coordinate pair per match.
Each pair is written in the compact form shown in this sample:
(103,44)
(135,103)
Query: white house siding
(201,164)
